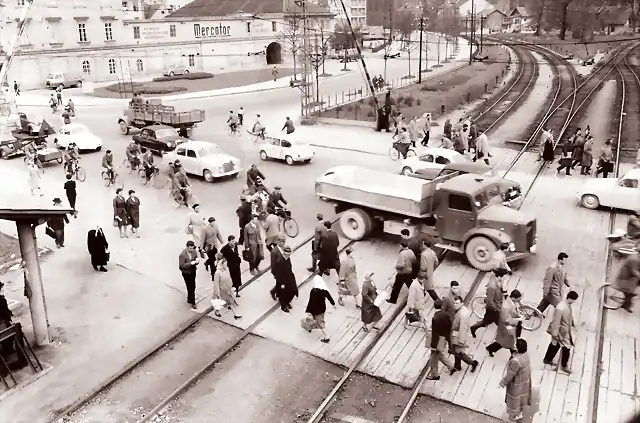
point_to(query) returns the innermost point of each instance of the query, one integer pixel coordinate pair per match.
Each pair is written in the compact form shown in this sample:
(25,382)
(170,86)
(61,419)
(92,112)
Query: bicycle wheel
(142,176)
(159,182)
(117,181)
(106,179)
(394,154)
(81,175)
(411,152)
(477,307)
(127,165)
(612,298)
(291,227)
(533,317)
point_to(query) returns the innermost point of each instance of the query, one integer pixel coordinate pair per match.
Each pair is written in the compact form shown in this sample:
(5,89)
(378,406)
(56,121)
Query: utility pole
(420,52)
(306,80)
(472,31)
(22,25)
(482,18)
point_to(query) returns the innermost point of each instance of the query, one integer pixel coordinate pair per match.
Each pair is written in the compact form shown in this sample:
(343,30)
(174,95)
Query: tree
(344,39)
(407,25)
(292,37)
(324,38)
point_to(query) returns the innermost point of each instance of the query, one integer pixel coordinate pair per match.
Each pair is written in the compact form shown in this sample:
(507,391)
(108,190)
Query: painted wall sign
(154,33)
(211,31)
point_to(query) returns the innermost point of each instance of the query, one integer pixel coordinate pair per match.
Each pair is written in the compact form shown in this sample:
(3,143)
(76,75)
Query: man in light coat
(554,279)
(482,147)
(428,264)
(416,300)
(509,324)
(272,229)
(404,271)
(211,241)
(561,331)
(253,244)
(461,335)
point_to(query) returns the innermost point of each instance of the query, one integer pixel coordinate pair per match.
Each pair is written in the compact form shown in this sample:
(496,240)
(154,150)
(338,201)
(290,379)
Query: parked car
(80,135)
(434,159)
(287,148)
(622,193)
(205,159)
(159,138)
(64,80)
(175,70)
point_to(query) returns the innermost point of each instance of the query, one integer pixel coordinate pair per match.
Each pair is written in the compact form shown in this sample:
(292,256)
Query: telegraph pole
(420,52)
(481,31)
(472,31)
(306,81)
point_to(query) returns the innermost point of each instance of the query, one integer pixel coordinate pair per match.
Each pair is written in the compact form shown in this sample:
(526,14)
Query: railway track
(576,101)
(628,125)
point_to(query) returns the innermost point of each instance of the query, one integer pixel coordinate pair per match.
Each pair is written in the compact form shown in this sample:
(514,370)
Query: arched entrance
(274,54)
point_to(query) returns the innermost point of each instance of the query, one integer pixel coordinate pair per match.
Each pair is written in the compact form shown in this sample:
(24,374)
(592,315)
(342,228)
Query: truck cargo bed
(166,115)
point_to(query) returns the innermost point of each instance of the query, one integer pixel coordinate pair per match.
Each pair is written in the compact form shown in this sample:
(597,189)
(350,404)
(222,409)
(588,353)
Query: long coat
(461,328)
(577,147)
(349,276)
(120,210)
(370,313)
(506,333)
(98,247)
(286,285)
(253,241)
(233,262)
(517,380)
(629,274)
(561,326)
(223,287)
(554,279)
(587,154)
(329,244)
(133,210)
(428,263)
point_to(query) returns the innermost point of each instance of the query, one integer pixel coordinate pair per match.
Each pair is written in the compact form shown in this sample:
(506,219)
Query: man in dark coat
(98,249)
(286,280)
(56,223)
(329,255)
(277,256)
(441,324)
(252,176)
(315,244)
(230,253)
(244,216)
(188,264)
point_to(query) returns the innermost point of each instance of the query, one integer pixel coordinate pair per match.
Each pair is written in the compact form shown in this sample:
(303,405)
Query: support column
(37,303)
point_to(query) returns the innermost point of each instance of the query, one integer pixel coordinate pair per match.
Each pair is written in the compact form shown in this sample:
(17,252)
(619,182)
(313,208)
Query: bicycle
(256,137)
(177,197)
(612,297)
(142,173)
(289,224)
(234,131)
(395,154)
(113,179)
(78,172)
(532,318)
(129,166)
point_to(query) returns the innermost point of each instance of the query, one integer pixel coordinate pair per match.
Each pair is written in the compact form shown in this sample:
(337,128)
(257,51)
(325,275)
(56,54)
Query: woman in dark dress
(230,253)
(370,312)
(133,212)
(120,215)
(98,249)
(286,287)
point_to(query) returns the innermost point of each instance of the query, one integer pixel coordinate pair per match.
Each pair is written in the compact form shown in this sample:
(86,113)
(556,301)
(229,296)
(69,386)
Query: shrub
(392,101)
(428,88)
(141,88)
(372,102)
(190,75)
(160,90)
(400,99)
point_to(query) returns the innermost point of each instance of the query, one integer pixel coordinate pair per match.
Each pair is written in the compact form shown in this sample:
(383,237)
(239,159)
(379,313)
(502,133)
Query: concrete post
(37,303)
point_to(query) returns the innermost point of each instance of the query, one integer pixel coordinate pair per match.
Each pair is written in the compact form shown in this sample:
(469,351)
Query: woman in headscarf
(370,312)
(317,305)
(546,152)
(223,286)
(196,226)
(348,279)
(98,249)
(120,215)
(133,210)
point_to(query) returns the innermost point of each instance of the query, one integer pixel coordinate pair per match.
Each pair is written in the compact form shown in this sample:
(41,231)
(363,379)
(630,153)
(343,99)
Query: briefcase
(50,232)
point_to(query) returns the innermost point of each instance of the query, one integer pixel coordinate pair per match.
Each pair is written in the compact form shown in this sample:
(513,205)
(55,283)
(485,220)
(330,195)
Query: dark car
(508,192)
(159,138)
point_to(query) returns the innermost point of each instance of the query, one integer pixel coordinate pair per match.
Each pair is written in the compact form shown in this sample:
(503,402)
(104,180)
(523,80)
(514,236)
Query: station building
(109,40)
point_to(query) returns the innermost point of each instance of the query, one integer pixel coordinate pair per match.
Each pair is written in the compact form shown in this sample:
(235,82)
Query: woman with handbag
(317,306)
(370,313)
(348,279)
(98,249)
(223,286)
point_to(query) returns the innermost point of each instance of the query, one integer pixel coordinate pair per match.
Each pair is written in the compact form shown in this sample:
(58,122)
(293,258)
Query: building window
(139,65)
(248,27)
(172,30)
(136,32)
(192,60)
(82,33)
(274,27)
(112,66)
(108,33)
(21,2)
(86,67)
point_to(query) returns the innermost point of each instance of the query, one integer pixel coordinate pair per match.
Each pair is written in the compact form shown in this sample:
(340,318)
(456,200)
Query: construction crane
(22,25)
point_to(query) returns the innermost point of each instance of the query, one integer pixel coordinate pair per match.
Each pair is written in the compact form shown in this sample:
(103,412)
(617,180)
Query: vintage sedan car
(80,135)
(621,193)
(175,70)
(287,148)
(431,159)
(159,139)
(205,159)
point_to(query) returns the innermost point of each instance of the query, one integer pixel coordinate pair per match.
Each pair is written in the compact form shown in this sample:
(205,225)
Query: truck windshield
(166,133)
(481,200)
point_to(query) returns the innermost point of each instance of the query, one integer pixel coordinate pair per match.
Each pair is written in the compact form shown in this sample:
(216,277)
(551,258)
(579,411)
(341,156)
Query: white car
(80,135)
(622,193)
(431,159)
(287,148)
(205,159)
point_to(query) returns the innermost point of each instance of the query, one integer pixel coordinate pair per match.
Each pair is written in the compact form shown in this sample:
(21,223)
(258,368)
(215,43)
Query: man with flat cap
(276,200)
(320,230)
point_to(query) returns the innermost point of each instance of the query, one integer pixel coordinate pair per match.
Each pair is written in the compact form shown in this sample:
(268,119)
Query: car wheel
(307,161)
(479,252)
(79,84)
(355,224)
(99,148)
(124,129)
(289,160)
(171,73)
(263,155)
(186,71)
(207,175)
(406,171)
(590,201)
(3,155)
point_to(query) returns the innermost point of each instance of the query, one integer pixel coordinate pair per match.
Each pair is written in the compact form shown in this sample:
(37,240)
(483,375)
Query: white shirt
(482,143)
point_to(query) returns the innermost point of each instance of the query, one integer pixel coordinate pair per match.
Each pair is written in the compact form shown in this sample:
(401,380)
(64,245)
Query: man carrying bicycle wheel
(403,143)
(147,162)
(107,164)
(628,280)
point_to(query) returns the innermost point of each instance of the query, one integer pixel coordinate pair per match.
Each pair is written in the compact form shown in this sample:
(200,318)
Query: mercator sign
(211,31)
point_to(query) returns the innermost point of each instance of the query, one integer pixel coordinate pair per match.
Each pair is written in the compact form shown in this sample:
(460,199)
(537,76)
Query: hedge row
(190,75)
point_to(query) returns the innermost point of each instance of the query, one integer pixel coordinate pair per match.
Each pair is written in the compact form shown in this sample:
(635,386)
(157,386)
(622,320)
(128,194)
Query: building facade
(107,41)
(356,10)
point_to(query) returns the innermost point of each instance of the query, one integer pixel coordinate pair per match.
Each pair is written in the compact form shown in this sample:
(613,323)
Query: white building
(356,10)
(108,41)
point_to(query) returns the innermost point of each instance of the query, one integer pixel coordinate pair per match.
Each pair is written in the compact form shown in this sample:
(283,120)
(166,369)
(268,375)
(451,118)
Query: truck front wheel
(355,224)
(124,129)
(479,252)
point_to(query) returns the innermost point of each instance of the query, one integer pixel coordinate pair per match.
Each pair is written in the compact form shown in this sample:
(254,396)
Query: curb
(43,252)
(355,150)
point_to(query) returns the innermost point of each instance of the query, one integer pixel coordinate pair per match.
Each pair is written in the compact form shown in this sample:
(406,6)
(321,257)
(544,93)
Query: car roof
(468,167)
(469,183)
(194,145)
(444,152)
(633,173)
(157,127)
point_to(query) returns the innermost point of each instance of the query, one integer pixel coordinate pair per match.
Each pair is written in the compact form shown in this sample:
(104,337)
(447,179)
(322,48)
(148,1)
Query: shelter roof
(208,8)
(19,206)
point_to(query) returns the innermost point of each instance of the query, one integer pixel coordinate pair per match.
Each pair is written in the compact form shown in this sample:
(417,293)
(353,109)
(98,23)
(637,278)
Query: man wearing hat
(244,216)
(277,257)
(56,224)
(315,244)
(211,240)
(276,200)
(286,284)
(253,244)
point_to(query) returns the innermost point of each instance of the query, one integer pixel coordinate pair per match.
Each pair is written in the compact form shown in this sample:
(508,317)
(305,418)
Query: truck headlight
(533,249)
(170,144)
(512,247)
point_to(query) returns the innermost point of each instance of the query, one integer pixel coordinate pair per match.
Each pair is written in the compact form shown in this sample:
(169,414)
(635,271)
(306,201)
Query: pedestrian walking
(56,223)
(492,301)
(329,254)
(315,244)
(577,148)
(241,116)
(120,215)
(500,258)
(546,146)
(517,382)
(195,227)
(473,136)
(286,280)
(482,147)
(441,324)
(605,161)
(427,128)
(72,195)
(272,228)
(244,216)
(554,279)
(448,302)
(461,336)
(16,88)
(223,286)
(133,211)
(275,259)
(508,324)
(211,240)
(464,138)
(187,263)
(59,96)
(348,276)
(317,306)
(628,280)
(370,313)
(230,253)
(98,249)
(34,179)
(564,163)
(561,331)
(447,128)
(404,271)
(253,251)
(274,73)
(428,264)
(415,303)
(587,156)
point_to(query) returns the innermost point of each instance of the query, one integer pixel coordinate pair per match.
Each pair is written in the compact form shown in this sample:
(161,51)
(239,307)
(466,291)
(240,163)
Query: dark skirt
(99,259)
(547,152)
(370,314)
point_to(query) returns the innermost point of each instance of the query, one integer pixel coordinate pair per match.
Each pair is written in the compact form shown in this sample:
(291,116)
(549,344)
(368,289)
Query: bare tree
(407,24)
(324,38)
(292,36)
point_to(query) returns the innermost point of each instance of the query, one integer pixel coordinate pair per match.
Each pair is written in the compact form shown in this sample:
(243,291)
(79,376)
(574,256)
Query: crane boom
(22,24)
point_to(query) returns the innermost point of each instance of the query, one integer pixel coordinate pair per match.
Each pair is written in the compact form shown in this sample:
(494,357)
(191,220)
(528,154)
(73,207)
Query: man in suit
(315,244)
(277,256)
(272,228)
(554,279)
(230,253)
(244,216)
(211,240)
(329,255)
(286,284)
(441,324)
(561,331)
(253,244)
(187,263)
